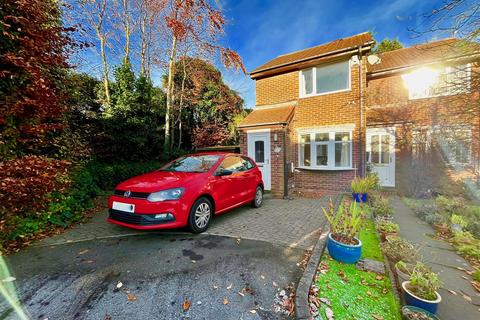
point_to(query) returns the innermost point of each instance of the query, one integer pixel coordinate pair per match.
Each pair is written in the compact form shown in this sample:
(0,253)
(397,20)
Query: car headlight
(169,194)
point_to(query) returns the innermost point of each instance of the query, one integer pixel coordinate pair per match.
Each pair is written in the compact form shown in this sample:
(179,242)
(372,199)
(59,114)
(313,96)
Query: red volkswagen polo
(187,192)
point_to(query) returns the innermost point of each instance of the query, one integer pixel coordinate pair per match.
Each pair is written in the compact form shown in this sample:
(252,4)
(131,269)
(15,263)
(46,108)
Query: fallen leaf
(476,285)
(262,276)
(274,284)
(225,301)
(83,252)
(131,297)
(452,292)
(230,286)
(467,297)
(239,240)
(193,261)
(241,293)
(119,285)
(379,277)
(377,317)
(215,287)
(326,301)
(199,302)
(253,311)
(89,261)
(329,313)
(186,305)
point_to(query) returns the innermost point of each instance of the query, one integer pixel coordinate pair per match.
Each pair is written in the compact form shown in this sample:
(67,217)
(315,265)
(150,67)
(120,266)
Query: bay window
(324,79)
(325,150)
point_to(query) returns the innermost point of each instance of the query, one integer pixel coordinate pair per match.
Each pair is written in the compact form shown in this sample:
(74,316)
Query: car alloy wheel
(202,215)
(258,200)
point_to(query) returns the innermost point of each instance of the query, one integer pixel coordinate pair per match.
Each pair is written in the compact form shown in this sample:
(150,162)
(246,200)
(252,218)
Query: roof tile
(277,115)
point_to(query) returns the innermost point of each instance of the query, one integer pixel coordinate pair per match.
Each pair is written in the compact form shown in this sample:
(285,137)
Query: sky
(260,30)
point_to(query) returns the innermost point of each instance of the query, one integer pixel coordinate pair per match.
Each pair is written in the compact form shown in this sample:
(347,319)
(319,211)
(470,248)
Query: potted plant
(421,290)
(404,270)
(345,224)
(387,228)
(414,313)
(399,249)
(359,189)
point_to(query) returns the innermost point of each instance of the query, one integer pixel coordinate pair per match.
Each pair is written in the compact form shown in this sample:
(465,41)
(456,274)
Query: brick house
(326,114)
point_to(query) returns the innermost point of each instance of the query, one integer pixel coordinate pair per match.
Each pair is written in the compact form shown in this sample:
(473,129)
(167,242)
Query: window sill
(304,96)
(325,168)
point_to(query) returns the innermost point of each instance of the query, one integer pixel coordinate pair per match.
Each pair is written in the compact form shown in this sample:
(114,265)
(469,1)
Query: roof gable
(343,44)
(424,53)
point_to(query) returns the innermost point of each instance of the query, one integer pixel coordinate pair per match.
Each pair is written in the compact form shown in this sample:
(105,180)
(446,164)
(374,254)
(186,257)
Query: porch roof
(272,115)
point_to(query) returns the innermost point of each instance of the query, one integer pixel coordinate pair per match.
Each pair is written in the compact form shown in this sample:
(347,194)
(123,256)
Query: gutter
(263,124)
(365,46)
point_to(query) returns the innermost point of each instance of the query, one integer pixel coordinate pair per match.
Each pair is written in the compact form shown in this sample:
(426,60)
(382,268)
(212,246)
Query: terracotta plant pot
(384,235)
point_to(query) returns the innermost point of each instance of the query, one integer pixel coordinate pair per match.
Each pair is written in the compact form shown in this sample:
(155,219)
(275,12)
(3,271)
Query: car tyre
(200,216)
(258,200)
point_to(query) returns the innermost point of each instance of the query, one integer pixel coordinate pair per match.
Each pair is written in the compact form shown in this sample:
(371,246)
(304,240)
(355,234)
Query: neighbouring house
(327,114)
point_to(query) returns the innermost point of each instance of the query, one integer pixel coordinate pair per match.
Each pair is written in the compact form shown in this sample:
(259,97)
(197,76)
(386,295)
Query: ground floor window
(325,149)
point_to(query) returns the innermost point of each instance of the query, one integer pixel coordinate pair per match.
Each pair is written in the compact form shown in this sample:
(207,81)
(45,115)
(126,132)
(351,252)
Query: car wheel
(258,200)
(200,215)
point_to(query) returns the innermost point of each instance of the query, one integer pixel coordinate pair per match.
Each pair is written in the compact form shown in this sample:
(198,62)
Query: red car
(187,192)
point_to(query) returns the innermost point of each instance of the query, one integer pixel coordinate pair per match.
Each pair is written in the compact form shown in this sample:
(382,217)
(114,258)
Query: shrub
(448,206)
(380,206)
(387,226)
(107,176)
(25,185)
(476,275)
(399,249)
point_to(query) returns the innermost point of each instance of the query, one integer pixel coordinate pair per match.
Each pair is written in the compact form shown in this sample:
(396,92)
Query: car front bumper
(145,214)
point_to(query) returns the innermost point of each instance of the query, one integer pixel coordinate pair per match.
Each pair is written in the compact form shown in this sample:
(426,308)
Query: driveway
(232,272)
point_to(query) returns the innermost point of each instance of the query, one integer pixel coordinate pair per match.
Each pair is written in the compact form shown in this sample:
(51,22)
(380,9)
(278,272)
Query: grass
(370,242)
(356,294)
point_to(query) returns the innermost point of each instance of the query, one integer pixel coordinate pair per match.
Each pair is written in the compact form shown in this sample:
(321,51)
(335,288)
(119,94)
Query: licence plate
(123,206)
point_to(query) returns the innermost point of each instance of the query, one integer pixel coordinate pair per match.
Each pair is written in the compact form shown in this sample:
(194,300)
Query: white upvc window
(325,149)
(324,79)
(430,82)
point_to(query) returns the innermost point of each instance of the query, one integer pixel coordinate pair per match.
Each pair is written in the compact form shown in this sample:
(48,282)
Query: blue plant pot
(344,252)
(413,300)
(431,316)
(360,197)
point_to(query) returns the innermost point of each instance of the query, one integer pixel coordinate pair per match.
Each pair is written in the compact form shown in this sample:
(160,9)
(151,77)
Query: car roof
(220,153)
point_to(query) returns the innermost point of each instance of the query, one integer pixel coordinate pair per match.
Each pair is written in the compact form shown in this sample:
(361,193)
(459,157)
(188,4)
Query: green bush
(380,205)
(107,176)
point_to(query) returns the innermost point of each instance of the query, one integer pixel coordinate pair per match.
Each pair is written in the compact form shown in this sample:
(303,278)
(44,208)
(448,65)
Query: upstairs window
(429,82)
(325,79)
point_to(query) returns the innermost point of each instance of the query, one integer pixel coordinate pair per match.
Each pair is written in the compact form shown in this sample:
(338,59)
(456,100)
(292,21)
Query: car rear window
(201,163)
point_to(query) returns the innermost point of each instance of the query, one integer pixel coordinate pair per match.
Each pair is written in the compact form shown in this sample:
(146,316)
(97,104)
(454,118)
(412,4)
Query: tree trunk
(105,67)
(126,23)
(170,93)
(143,48)
(180,106)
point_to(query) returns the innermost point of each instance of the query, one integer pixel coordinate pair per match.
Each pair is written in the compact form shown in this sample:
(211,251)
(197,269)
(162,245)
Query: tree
(96,12)
(387,45)
(33,49)
(207,105)
(197,25)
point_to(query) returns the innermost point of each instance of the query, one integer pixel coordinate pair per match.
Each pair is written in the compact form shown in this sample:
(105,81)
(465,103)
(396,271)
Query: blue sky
(260,30)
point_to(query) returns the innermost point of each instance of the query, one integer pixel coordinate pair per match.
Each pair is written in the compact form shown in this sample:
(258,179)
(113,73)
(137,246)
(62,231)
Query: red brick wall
(324,110)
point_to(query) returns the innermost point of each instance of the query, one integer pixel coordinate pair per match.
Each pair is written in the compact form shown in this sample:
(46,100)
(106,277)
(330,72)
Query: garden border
(302,308)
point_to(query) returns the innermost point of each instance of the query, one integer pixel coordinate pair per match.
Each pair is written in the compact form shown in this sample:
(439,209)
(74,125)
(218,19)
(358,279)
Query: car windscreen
(201,163)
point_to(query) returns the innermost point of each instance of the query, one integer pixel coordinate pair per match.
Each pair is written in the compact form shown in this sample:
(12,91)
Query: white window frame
(447,92)
(302,93)
(330,149)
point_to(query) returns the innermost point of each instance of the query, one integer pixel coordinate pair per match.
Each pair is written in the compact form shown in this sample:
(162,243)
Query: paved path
(292,223)
(442,258)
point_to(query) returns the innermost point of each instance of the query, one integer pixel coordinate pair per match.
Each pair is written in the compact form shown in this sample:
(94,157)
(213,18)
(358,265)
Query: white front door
(381,154)
(259,150)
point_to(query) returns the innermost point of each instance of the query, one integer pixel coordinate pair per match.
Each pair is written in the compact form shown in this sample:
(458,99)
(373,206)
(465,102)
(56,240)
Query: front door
(381,154)
(259,151)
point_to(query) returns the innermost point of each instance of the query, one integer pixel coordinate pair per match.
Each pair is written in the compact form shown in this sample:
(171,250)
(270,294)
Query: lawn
(356,294)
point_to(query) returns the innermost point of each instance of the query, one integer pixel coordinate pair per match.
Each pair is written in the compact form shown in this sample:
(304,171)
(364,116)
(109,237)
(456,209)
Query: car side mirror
(223,172)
